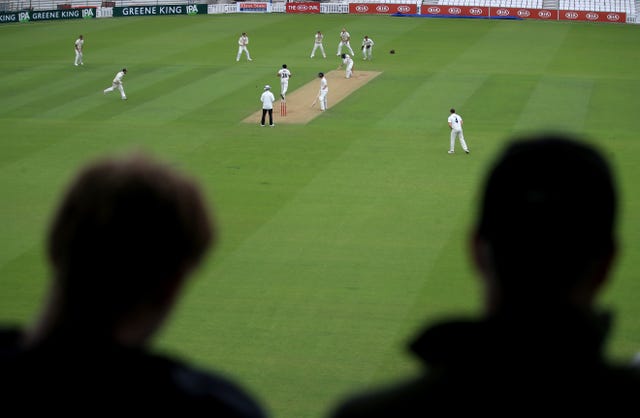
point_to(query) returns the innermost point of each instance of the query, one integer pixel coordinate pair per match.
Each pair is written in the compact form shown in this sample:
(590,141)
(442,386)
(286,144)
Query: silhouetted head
(320,75)
(548,216)
(125,231)
(284,65)
(343,56)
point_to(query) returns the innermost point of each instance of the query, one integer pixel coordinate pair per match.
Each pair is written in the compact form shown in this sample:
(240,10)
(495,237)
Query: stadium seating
(621,6)
(627,6)
(530,4)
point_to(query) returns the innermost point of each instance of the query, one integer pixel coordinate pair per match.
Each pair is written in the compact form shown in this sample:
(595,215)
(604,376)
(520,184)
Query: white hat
(267,87)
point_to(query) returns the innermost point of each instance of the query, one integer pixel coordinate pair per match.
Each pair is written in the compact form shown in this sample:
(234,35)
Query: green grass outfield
(339,238)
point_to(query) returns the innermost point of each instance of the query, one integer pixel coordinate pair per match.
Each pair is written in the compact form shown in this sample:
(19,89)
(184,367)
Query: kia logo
(592,16)
(361,9)
(433,10)
(404,9)
(475,11)
(454,10)
(613,16)
(523,13)
(544,14)
(571,15)
(382,9)
(502,12)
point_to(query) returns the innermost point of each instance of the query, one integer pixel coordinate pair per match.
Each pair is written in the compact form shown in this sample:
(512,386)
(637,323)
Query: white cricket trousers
(349,70)
(322,98)
(116,86)
(242,49)
(316,46)
(78,58)
(345,45)
(457,133)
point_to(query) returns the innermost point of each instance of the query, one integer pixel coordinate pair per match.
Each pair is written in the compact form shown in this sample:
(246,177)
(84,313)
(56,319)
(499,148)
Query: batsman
(367,48)
(322,94)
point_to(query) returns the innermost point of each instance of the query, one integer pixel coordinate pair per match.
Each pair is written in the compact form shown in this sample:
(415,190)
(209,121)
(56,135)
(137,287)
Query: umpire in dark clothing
(543,244)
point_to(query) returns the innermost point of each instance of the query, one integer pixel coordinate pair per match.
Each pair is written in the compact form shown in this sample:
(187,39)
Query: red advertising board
(521,13)
(303,7)
(382,9)
(455,10)
(582,15)
(476,11)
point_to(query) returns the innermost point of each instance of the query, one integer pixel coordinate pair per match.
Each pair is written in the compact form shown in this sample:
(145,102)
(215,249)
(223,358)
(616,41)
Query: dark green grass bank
(339,238)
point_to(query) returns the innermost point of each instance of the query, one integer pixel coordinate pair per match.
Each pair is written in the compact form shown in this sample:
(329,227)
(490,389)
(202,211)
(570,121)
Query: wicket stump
(283,108)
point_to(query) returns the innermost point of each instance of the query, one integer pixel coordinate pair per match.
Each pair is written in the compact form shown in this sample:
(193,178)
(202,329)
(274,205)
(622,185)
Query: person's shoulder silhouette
(126,236)
(543,245)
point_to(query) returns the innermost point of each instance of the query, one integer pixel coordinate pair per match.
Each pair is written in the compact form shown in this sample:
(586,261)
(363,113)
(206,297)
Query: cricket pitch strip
(299,110)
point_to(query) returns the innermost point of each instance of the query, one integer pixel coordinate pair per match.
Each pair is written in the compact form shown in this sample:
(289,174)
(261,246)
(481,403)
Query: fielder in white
(117,84)
(455,123)
(79,44)
(345,39)
(284,75)
(347,62)
(367,48)
(243,41)
(322,94)
(317,44)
